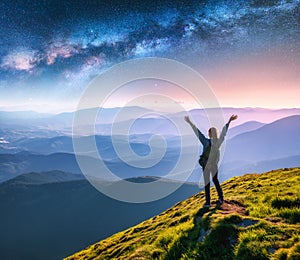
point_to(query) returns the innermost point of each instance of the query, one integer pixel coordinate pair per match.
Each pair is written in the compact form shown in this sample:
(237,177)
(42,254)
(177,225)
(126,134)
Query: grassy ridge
(259,220)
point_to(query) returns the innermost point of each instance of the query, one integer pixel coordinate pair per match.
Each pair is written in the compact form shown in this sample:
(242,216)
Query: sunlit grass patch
(292,253)
(261,221)
(290,215)
(286,202)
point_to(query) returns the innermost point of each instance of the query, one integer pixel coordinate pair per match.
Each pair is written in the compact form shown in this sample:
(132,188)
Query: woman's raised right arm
(197,132)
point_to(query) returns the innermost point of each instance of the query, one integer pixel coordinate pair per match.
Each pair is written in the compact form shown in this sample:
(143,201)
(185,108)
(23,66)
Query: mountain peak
(260,219)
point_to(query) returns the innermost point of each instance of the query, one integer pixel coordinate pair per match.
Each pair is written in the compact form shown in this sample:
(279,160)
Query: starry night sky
(50,50)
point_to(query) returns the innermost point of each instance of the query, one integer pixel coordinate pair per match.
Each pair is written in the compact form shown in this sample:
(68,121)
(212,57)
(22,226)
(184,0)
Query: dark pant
(213,170)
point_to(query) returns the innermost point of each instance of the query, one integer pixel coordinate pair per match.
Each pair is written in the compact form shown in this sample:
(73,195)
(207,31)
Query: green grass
(261,220)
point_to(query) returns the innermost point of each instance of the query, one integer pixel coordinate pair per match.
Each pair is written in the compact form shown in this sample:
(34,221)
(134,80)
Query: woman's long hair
(213,133)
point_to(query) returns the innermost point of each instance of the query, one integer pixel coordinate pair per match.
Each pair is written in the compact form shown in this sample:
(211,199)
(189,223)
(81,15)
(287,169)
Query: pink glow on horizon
(263,81)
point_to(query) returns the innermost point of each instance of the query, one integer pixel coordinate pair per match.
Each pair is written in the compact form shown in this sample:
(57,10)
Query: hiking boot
(220,201)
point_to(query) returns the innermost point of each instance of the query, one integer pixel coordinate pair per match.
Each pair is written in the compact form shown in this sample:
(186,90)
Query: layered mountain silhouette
(52,214)
(13,165)
(271,141)
(15,125)
(264,148)
(244,128)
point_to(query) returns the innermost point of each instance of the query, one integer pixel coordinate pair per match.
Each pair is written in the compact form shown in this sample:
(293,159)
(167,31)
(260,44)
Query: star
(68,45)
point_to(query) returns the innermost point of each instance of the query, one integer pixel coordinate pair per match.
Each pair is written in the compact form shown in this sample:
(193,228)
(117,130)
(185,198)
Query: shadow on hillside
(205,241)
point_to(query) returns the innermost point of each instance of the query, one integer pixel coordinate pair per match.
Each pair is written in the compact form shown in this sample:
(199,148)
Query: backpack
(206,153)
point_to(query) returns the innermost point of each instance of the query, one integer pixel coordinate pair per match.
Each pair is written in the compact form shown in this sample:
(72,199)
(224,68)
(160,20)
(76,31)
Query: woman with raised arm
(210,157)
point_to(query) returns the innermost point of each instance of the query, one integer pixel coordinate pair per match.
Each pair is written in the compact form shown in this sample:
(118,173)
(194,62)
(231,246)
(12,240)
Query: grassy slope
(259,220)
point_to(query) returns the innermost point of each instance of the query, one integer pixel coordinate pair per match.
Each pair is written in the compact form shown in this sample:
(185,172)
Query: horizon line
(9,110)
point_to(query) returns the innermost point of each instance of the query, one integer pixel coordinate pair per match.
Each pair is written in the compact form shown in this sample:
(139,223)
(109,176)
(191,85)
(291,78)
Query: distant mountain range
(250,135)
(39,178)
(275,144)
(50,215)
(228,170)
(15,125)
(244,128)
(271,141)
(12,165)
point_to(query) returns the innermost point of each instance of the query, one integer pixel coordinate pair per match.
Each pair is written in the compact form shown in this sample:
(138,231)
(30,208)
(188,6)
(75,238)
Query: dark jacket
(213,145)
